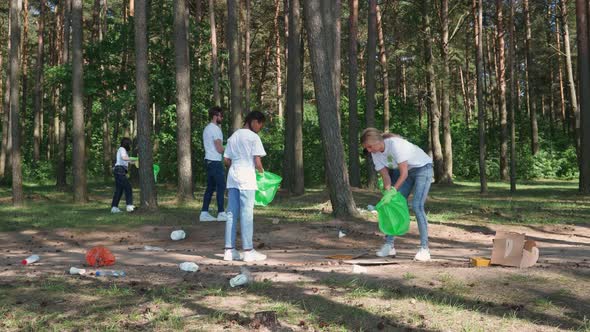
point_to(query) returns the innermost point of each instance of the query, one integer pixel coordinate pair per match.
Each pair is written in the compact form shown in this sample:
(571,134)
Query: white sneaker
(386,250)
(130,208)
(205,216)
(423,255)
(222,216)
(253,256)
(115,209)
(232,255)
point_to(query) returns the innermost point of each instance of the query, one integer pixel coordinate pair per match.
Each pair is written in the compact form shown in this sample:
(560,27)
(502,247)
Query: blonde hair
(375,135)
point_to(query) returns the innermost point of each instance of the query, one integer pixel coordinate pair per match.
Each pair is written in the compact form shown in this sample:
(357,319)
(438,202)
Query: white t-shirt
(241,148)
(397,150)
(212,133)
(120,154)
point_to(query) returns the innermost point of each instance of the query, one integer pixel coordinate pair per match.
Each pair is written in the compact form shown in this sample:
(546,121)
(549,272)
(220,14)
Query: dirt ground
(297,255)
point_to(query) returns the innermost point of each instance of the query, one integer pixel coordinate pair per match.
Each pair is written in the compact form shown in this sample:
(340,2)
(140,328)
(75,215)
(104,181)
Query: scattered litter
(511,249)
(178,235)
(341,234)
(241,279)
(265,318)
(372,209)
(359,269)
(30,260)
(110,273)
(75,270)
(100,256)
(151,248)
(413,301)
(480,262)
(275,221)
(189,267)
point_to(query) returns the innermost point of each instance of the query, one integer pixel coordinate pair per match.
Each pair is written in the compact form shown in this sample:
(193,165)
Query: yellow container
(480,262)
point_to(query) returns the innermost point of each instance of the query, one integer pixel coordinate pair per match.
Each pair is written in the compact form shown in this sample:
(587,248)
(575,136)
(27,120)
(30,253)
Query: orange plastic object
(100,256)
(480,262)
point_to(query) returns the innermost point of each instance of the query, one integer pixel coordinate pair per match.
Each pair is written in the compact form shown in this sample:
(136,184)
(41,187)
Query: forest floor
(306,290)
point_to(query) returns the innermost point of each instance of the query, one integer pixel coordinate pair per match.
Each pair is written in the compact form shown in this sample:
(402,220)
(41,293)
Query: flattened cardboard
(511,249)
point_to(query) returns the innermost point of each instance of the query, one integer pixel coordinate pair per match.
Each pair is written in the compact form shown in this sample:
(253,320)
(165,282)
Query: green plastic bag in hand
(268,184)
(393,213)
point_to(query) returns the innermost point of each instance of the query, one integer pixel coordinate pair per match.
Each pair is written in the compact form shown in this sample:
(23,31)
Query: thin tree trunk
(353,127)
(294,115)
(464,94)
(583,128)
(65,48)
(233,45)
(529,90)
(183,104)
(4,156)
(512,100)
(371,84)
(247,58)
(214,68)
(560,74)
(570,73)
(447,146)
(148,195)
(502,92)
(15,41)
(25,70)
(264,69)
(37,124)
(277,36)
(432,97)
(78,138)
(478,18)
(320,20)
(384,72)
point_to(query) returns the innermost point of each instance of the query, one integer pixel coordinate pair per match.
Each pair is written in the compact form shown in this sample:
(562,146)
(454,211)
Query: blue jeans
(419,180)
(215,182)
(241,206)
(122,184)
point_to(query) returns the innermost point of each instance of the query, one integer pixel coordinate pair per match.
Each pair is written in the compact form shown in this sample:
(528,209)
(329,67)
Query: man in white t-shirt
(213,143)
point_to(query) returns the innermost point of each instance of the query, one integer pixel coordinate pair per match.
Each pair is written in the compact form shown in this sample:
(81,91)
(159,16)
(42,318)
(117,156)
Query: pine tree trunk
(4,89)
(15,41)
(371,85)
(447,146)
(277,36)
(502,92)
(432,95)
(247,58)
(37,123)
(512,101)
(214,67)
(320,21)
(353,126)
(570,72)
(25,71)
(233,45)
(478,18)
(148,196)
(529,90)
(78,137)
(64,25)
(183,104)
(384,72)
(583,129)
(560,75)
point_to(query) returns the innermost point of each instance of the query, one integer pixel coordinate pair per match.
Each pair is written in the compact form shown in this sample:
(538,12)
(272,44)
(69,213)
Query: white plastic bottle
(189,267)
(30,260)
(241,279)
(75,270)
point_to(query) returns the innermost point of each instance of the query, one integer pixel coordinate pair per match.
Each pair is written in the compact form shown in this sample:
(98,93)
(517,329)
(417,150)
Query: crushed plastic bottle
(75,270)
(189,267)
(178,235)
(30,260)
(241,279)
(110,273)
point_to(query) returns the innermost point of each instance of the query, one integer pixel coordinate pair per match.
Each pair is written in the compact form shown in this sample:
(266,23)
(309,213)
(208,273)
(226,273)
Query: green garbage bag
(156,171)
(268,184)
(393,213)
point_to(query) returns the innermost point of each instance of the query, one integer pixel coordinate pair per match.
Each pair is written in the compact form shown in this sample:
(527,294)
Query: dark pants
(215,182)
(121,184)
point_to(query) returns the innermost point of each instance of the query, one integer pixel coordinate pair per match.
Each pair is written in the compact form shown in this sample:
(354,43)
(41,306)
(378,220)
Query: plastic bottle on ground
(178,235)
(75,270)
(30,260)
(189,267)
(110,273)
(241,279)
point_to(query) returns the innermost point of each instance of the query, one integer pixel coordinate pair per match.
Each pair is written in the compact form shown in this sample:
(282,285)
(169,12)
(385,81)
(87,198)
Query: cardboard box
(511,249)
(480,262)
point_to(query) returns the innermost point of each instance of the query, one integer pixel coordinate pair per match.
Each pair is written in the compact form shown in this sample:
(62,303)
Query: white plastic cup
(178,235)
(30,260)
(75,270)
(189,267)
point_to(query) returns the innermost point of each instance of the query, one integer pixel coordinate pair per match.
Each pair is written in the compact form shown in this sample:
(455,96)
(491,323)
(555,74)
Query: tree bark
(4,154)
(584,81)
(529,90)
(432,95)
(15,41)
(447,146)
(148,195)
(183,104)
(78,139)
(294,115)
(214,67)
(560,74)
(478,18)
(512,101)
(247,58)
(384,72)
(570,72)
(371,85)
(502,92)
(233,45)
(353,127)
(24,58)
(277,33)
(320,21)
(65,55)
(37,124)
